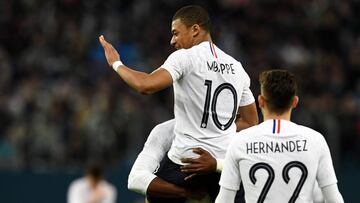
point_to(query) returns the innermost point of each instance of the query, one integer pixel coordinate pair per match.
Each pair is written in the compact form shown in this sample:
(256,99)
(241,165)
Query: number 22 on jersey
(285,176)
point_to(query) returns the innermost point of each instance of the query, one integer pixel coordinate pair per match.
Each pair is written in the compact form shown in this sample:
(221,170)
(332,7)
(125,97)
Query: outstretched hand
(110,52)
(202,165)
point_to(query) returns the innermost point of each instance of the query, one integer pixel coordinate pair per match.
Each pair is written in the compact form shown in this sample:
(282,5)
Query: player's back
(279,161)
(209,87)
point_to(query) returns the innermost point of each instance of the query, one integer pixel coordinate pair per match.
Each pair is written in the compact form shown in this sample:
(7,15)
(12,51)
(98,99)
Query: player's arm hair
(247,116)
(145,83)
(331,194)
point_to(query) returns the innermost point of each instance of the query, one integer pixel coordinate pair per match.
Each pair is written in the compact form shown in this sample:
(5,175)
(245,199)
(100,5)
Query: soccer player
(91,188)
(212,95)
(278,160)
(155,148)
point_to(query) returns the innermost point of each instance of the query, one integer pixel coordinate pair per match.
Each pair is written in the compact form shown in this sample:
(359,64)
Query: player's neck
(270,116)
(205,38)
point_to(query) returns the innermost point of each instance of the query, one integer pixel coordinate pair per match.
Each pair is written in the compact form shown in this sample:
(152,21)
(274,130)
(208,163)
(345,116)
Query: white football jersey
(209,86)
(80,190)
(278,161)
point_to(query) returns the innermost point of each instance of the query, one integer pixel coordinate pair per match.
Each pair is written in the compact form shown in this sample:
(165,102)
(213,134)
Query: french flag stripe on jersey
(276,126)
(212,49)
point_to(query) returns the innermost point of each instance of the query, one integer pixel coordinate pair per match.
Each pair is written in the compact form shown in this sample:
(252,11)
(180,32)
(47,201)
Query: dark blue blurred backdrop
(60,105)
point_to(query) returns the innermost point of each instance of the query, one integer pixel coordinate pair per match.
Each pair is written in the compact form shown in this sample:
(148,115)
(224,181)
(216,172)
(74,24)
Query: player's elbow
(139,180)
(135,183)
(132,182)
(146,91)
(145,88)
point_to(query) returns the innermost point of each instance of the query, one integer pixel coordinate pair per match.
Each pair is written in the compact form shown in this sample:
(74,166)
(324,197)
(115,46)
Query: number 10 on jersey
(218,90)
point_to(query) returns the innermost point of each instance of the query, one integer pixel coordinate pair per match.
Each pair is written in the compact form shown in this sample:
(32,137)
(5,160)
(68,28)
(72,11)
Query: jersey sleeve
(247,96)
(160,139)
(74,192)
(325,174)
(230,175)
(225,195)
(155,148)
(177,64)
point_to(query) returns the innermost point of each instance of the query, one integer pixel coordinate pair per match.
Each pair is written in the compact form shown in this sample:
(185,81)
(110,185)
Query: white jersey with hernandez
(209,86)
(278,161)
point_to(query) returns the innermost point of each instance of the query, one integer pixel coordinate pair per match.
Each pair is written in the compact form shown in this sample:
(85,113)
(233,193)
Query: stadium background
(60,105)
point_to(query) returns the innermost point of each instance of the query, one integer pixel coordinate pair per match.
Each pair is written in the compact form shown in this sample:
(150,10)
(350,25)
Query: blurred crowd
(61,105)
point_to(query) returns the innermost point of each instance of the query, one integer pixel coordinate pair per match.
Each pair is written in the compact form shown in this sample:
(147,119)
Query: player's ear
(195,29)
(261,101)
(295,102)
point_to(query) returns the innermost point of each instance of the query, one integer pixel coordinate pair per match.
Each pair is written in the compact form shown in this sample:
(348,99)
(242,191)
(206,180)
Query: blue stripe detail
(274,125)
(211,49)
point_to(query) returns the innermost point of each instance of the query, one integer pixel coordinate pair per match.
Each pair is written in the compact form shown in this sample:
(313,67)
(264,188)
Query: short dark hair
(94,169)
(279,88)
(191,15)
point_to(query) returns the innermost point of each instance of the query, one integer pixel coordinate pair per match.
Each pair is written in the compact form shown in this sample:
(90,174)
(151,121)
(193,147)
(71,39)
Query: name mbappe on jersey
(222,68)
(276,147)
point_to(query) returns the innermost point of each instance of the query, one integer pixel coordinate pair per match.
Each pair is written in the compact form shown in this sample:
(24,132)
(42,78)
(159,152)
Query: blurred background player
(278,160)
(92,188)
(211,90)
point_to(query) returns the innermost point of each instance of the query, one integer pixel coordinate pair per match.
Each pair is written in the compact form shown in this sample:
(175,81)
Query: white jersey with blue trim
(209,86)
(278,161)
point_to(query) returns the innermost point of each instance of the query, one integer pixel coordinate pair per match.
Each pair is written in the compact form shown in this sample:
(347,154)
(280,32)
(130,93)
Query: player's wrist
(116,65)
(219,165)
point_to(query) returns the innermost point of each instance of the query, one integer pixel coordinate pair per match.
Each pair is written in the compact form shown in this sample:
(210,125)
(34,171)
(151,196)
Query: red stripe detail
(212,45)
(278,127)
(211,49)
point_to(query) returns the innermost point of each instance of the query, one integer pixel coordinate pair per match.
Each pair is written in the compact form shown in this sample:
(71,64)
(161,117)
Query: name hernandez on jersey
(276,147)
(270,162)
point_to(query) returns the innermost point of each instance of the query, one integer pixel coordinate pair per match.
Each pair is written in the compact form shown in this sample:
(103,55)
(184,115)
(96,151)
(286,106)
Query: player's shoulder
(311,134)
(108,186)
(194,53)
(167,124)
(198,49)
(236,64)
(78,183)
(179,53)
(307,131)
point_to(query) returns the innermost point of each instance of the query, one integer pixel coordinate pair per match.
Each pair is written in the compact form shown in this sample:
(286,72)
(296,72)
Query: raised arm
(141,82)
